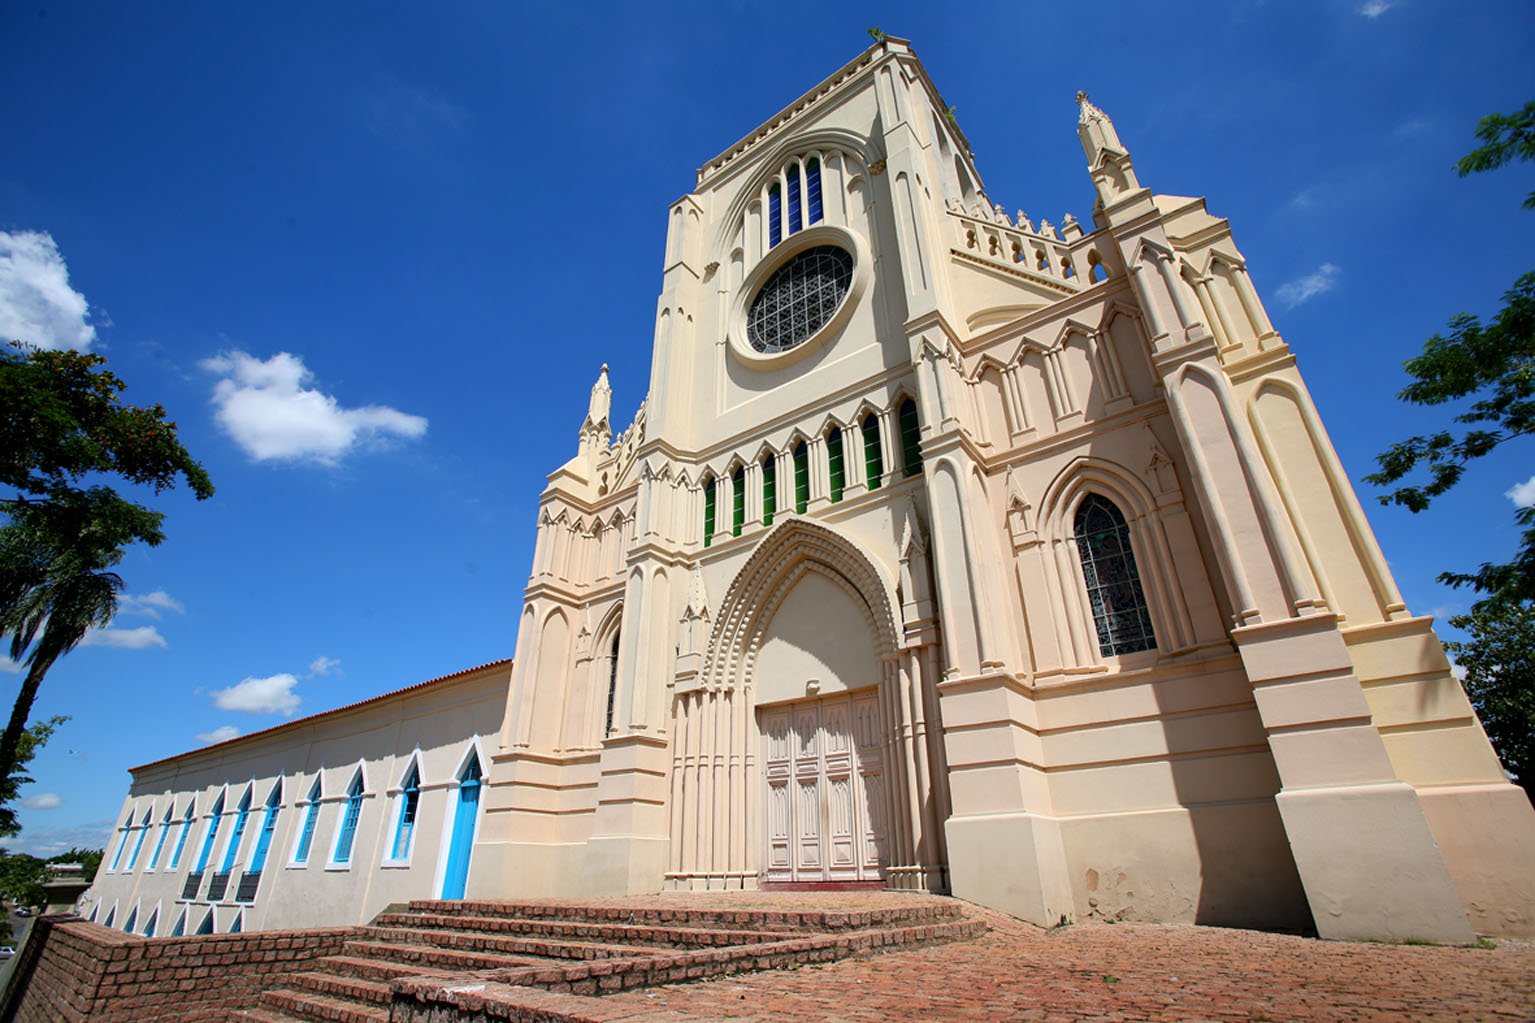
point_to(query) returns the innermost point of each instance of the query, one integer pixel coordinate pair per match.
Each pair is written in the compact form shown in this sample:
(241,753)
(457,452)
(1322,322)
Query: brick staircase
(425,951)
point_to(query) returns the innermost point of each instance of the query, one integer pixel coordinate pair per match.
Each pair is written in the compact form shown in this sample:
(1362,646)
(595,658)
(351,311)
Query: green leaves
(1499,661)
(1508,137)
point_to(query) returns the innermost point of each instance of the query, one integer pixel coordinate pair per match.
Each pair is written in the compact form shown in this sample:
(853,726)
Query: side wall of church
(145,874)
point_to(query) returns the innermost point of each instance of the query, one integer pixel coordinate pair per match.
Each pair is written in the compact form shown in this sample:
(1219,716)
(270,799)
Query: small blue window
(133,918)
(138,843)
(349,821)
(181,839)
(180,929)
(311,818)
(122,841)
(813,192)
(268,826)
(111,915)
(238,925)
(795,221)
(215,819)
(775,215)
(165,828)
(410,798)
(154,920)
(206,927)
(242,813)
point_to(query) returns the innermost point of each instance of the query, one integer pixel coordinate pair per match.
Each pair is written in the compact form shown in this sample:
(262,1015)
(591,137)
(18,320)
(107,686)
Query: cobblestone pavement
(1103,972)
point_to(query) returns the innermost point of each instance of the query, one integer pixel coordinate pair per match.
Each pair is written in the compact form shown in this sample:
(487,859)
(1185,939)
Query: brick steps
(602,934)
(440,953)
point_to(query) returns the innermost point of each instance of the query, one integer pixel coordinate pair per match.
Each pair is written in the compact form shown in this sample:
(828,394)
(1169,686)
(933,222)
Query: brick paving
(1101,972)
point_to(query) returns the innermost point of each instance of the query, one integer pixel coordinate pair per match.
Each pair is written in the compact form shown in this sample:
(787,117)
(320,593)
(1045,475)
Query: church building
(950,551)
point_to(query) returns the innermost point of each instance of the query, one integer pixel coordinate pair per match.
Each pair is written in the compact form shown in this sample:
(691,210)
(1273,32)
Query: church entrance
(825,790)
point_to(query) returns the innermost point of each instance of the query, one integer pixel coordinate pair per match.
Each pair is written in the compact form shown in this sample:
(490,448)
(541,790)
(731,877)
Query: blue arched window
(311,818)
(1113,584)
(181,837)
(775,215)
(165,827)
(804,205)
(242,814)
(405,825)
(348,834)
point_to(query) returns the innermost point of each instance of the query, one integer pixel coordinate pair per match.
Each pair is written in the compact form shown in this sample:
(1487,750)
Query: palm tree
(55,586)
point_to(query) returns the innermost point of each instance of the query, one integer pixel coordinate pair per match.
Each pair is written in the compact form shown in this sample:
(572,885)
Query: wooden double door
(825,804)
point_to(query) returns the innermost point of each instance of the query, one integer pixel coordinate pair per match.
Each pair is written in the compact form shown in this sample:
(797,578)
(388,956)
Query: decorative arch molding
(849,143)
(1131,493)
(792,548)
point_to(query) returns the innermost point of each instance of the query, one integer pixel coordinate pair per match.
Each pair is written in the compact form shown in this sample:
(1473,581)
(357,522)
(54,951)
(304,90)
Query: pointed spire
(602,399)
(1107,158)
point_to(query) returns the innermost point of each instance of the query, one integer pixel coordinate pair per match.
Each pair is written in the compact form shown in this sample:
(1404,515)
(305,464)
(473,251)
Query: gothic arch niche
(805,650)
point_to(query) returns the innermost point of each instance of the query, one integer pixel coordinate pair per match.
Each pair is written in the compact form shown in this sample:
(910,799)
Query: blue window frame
(111,915)
(813,192)
(405,826)
(133,919)
(165,829)
(138,843)
(181,839)
(122,841)
(268,826)
(180,929)
(154,920)
(215,819)
(242,814)
(348,834)
(311,818)
(206,927)
(775,215)
(795,218)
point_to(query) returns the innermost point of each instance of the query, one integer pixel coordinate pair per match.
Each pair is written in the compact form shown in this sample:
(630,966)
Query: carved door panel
(823,771)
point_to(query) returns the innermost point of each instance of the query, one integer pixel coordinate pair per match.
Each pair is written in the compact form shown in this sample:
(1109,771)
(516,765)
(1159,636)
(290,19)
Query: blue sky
(371,255)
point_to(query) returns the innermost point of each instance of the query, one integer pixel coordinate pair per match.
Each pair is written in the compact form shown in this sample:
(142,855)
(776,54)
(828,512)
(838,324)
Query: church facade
(949,551)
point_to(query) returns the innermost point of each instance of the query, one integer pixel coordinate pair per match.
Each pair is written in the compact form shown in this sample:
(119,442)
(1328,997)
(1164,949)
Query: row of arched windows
(804,200)
(907,424)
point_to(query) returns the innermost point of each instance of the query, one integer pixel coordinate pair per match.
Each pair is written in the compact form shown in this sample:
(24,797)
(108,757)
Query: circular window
(799,298)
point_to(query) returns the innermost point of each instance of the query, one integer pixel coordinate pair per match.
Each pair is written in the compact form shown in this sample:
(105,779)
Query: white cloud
(37,305)
(43,801)
(11,667)
(271,695)
(1375,8)
(150,604)
(52,841)
(322,666)
(221,734)
(1303,289)
(141,638)
(267,409)
(1457,670)
(1522,494)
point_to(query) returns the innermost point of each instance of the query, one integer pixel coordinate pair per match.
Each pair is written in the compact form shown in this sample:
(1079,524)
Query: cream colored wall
(440,725)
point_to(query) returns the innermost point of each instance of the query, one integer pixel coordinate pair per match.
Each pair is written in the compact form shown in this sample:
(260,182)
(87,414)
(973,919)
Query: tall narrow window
(775,215)
(794,199)
(180,929)
(111,915)
(769,489)
(709,511)
(838,472)
(268,827)
(181,838)
(348,833)
(737,501)
(154,921)
(612,684)
(873,457)
(138,842)
(242,814)
(911,438)
(1113,585)
(206,927)
(238,925)
(165,827)
(133,919)
(123,834)
(311,818)
(405,827)
(214,820)
(801,478)
(813,192)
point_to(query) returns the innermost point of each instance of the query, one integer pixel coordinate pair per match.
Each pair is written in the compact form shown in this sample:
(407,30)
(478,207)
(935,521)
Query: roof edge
(312,718)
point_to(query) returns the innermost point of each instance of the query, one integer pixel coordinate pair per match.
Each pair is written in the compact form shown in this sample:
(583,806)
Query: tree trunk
(22,710)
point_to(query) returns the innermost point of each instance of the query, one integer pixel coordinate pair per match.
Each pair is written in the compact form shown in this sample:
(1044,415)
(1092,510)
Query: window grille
(799,298)
(218,885)
(769,489)
(249,882)
(1113,584)
(911,438)
(194,881)
(873,457)
(834,462)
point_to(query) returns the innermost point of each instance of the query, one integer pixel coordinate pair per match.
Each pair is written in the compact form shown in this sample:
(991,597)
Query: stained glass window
(1113,585)
(799,298)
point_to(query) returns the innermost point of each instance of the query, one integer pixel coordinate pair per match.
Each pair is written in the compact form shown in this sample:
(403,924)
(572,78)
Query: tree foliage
(1491,366)
(63,426)
(32,740)
(1499,661)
